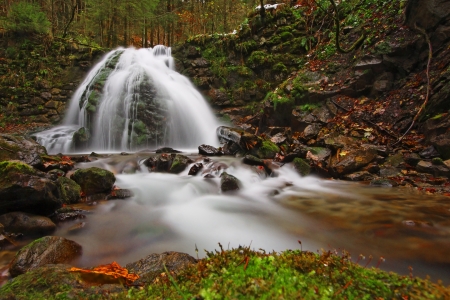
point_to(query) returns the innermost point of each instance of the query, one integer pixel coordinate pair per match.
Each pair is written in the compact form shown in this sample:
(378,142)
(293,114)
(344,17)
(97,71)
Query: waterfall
(133,99)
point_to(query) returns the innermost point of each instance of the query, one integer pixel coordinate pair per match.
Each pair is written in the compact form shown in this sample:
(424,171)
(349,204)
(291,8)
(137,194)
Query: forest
(141,23)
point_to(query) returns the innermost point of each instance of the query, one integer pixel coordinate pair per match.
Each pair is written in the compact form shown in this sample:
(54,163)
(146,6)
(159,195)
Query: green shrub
(25,18)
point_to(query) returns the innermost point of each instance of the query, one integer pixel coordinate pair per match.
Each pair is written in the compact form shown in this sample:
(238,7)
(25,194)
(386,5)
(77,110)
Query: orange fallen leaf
(113,269)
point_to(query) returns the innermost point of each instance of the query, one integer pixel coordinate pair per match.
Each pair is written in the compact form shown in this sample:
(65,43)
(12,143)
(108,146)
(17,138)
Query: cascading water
(133,99)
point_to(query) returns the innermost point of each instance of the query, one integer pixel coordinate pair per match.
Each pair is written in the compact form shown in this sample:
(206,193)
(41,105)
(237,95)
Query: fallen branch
(1,148)
(430,56)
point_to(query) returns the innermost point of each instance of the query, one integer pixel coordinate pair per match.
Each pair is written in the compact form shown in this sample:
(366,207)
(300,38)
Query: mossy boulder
(19,148)
(23,188)
(179,163)
(267,149)
(94,180)
(46,250)
(69,190)
(301,166)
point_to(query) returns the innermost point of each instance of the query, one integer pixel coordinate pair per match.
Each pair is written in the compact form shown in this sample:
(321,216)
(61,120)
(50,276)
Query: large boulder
(94,180)
(20,148)
(28,224)
(46,250)
(150,267)
(426,14)
(23,188)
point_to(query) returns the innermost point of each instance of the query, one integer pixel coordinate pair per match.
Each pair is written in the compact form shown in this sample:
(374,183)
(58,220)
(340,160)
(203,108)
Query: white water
(180,212)
(192,122)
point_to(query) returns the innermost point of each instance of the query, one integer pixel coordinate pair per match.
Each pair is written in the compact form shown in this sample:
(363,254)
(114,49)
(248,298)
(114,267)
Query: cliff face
(287,73)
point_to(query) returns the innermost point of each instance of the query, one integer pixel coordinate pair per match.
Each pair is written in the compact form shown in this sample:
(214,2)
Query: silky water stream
(181,212)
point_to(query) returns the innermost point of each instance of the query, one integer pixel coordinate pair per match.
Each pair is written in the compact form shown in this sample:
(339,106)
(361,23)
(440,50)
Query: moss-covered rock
(23,188)
(301,166)
(179,163)
(94,180)
(46,250)
(267,149)
(70,191)
(81,139)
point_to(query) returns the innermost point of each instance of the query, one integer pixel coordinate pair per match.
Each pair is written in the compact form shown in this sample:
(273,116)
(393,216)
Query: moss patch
(267,150)
(302,166)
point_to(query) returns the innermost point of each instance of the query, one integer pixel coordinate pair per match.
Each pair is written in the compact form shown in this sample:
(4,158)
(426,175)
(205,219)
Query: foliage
(26,18)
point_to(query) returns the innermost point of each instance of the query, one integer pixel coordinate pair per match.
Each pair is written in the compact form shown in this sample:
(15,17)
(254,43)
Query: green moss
(302,166)
(280,67)
(258,58)
(285,36)
(245,274)
(267,150)
(8,167)
(279,99)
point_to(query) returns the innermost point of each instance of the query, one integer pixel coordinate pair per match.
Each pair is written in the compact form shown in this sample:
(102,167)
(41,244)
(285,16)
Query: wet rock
(383,182)
(429,152)
(180,162)
(302,166)
(23,188)
(208,150)
(394,160)
(195,169)
(46,250)
(228,182)
(20,148)
(167,150)
(311,131)
(389,172)
(69,190)
(68,213)
(253,160)
(55,173)
(81,138)
(94,180)
(120,194)
(411,159)
(426,14)
(159,163)
(430,168)
(27,224)
(246,141)
(353,160)
(266,149)
(318,154)
(153,265)
(442,146)
(359,176)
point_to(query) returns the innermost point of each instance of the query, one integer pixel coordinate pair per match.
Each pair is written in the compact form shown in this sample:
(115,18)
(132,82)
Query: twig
(430,56)
(1,148)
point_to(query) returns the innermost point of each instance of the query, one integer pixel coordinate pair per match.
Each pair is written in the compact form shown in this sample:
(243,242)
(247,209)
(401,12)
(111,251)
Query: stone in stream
(301,166)
(195,169)
(228,182)
(153,265)
(167,150)
(173,163)
(43,251)
(69,190)
(23,188)
(27,224)
(94,180)
(208,150)
(120,194)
